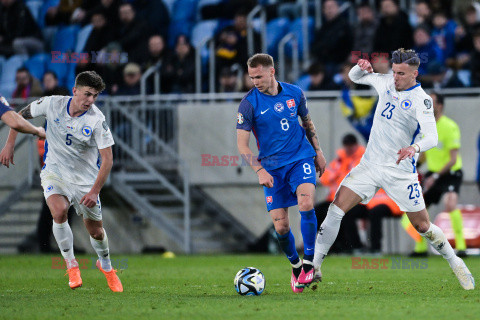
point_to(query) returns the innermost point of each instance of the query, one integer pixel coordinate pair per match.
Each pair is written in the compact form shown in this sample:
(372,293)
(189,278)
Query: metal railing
(198,64)
(250,30)
(155,70)
(282,73)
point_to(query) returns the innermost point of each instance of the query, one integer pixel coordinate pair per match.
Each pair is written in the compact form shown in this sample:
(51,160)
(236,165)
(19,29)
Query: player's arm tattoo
(26,112)
(309,127)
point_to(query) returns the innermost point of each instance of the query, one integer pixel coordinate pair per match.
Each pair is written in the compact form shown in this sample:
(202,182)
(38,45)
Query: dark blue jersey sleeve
(4,107)
(245,116)
(302,108)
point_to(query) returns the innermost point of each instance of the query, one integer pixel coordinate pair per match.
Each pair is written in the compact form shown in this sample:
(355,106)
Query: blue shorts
(286,180)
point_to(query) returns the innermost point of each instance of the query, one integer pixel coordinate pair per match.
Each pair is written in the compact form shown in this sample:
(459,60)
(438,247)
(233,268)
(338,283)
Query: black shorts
(446,183)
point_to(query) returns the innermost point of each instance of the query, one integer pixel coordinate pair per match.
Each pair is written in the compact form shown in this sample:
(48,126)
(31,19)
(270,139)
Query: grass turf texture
(201,287)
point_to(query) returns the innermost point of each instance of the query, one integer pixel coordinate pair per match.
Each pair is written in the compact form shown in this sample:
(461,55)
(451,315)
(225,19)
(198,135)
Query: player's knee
(422,226)
(97,234)
(282,229)
(59,213)
(305,204)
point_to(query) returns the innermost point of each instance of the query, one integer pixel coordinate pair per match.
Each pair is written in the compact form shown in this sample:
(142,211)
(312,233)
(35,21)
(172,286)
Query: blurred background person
(19,33)
(51,87)
(347,158)
(179,68)
(27,85)
(131,80)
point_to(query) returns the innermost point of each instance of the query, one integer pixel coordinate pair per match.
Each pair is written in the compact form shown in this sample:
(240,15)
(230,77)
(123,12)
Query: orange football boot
(112,279)
(74,279)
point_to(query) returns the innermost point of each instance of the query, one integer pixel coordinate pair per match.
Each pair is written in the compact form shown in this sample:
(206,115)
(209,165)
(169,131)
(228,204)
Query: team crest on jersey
(291,104)
(278,107)
(406,104)
(57,121)
(4,101)
(240,118)
(87,131)
(427,103)
(269,199)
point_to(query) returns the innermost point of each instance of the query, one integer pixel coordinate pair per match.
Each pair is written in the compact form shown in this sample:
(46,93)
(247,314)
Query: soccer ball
(249,282)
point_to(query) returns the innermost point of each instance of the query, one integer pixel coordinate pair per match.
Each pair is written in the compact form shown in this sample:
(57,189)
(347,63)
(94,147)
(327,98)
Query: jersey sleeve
(453,138)
(375,80)
(102,135)
(302,107)
(40,107)
(245,116)
(4,106)
(428,127)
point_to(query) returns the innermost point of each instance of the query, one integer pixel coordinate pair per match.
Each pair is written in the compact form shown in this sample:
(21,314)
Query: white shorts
(53,184)
(401,186)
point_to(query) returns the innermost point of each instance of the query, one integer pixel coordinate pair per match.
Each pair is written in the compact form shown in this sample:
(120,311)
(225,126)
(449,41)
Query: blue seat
(276,29)
(66,38)
(2,62)
(169,4)
(70,79)
(202,31)
(61,70)
(37,64)
(184,10)
(82,37)
(7,80)
(296,27)
(35,6)
(304,82)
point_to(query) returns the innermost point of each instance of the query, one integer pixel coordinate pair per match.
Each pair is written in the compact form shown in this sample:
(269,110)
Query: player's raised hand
(89,200)
(264,178)
(6,156)
(320,164)
(404,153)
(365,65)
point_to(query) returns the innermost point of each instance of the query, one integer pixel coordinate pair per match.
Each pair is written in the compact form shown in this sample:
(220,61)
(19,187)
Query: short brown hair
(260,59)
(90,79)
(409,57)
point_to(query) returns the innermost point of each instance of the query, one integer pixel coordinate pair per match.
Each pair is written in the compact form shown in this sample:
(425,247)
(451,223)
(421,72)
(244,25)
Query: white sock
(437,239)
(101,248)
(327,234)
(64,237)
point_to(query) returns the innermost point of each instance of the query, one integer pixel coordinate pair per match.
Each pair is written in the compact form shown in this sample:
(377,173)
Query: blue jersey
(281,140)
(4,106)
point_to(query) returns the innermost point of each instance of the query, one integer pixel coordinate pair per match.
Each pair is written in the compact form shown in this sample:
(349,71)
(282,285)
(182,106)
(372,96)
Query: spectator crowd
(158,33)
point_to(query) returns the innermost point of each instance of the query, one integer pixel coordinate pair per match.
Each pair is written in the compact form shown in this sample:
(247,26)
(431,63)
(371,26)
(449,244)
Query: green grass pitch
(201,287)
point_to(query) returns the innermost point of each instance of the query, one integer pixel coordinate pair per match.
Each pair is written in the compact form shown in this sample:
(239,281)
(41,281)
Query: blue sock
(287,243)
(308,225)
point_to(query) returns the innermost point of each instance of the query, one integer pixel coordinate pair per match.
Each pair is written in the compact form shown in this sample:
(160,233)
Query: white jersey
(399,119)
(72,144)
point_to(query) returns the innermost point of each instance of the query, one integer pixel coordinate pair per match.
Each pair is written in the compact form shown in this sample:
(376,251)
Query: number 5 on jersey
(68,139)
